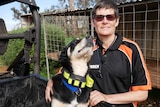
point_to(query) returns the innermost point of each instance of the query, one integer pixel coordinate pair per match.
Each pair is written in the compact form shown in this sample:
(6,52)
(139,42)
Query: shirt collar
(115,45)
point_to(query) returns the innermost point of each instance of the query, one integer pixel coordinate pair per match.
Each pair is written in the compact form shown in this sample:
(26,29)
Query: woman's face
(105,26)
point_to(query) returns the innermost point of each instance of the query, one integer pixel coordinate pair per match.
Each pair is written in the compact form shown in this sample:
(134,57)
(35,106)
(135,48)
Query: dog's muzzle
(90,41)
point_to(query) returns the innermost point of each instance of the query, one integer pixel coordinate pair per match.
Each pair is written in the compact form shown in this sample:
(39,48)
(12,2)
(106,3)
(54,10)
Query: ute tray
(26,91)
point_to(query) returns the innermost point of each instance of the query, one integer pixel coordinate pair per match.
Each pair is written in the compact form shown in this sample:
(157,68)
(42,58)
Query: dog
(73,85)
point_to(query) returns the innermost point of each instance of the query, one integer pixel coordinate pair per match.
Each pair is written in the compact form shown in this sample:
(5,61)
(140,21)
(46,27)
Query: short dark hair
(105,4)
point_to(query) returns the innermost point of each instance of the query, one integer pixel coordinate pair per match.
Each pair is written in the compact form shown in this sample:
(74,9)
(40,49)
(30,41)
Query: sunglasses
(109,17)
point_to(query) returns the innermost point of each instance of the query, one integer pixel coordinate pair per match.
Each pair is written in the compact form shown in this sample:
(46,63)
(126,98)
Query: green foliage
(53,68)
(24,9)
(56,36)
(19,30)
(53,64)
(14,47)
(68,40)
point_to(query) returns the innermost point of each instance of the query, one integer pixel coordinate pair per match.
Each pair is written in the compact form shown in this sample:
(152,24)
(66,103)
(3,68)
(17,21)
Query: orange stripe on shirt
(127,51)
(148,86)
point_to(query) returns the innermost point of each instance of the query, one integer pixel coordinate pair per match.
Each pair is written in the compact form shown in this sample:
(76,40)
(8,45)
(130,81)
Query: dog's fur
(74,59)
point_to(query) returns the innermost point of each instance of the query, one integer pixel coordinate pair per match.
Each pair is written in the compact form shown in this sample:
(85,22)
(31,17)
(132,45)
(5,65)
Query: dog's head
(77,52)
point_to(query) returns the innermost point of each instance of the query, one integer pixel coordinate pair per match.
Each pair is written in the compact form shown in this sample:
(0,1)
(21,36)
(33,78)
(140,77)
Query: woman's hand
(96,97)
(49,91)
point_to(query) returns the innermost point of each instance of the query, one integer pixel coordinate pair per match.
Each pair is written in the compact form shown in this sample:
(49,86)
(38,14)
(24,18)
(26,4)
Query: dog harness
(76,82)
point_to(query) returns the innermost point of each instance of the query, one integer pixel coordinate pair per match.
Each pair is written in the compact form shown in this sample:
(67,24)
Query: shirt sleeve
(140,73)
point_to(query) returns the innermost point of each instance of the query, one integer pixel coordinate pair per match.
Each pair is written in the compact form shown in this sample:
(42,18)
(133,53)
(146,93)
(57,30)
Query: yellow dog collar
(78,81)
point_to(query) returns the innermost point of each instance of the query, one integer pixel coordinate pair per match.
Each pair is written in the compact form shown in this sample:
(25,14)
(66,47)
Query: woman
(117,65)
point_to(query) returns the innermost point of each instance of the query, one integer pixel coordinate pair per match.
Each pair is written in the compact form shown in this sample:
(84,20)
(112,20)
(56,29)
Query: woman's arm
(121,98)
(49,90)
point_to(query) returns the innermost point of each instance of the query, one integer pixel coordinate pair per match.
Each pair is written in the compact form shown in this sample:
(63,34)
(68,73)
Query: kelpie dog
(72,87)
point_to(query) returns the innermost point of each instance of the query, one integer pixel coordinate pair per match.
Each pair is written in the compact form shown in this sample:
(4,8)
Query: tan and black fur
(74,59)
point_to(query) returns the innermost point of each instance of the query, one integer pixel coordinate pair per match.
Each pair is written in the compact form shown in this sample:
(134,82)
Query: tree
(24,9)
(83,4)
(73,4)
(16,14)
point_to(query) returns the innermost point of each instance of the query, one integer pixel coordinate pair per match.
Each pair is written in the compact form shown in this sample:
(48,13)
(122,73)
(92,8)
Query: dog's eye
(77,40)
(79,51)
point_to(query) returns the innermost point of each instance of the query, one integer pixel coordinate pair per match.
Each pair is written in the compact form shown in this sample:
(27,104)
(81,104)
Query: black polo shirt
(119,69)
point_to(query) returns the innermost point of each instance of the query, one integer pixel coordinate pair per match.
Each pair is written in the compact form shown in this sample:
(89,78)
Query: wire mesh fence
(139,21)
(61,28)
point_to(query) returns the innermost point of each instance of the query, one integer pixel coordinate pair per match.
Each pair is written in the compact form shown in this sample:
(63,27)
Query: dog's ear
(73,43)
(63,55)
(64,60)
(66,51)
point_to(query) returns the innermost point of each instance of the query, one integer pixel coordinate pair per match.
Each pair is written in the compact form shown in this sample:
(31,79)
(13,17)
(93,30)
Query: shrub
(14,47)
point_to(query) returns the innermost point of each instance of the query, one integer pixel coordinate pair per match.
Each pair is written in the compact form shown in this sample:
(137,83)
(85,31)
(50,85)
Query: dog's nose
(89,37)
(89,41)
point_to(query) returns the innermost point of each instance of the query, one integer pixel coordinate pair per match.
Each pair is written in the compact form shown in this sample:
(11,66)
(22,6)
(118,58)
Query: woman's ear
(117,21)
(92,22)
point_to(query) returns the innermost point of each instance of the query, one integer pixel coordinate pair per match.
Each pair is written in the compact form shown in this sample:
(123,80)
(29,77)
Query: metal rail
(32,36)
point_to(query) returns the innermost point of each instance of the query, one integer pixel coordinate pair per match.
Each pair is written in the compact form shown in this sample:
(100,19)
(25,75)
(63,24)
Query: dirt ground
(153,99)
(3,69)
(150,103)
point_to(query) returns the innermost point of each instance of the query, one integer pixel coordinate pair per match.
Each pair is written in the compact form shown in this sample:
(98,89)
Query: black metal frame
(31,36)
